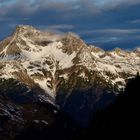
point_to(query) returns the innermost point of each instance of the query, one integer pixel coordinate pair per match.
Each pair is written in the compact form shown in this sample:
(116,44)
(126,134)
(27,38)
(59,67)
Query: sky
(104,23)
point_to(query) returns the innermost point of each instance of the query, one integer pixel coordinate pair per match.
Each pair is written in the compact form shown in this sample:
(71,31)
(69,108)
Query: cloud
(88,6)
(118,31)
(135,21)
(1,1)
(5,1)
(56,28)
(103,22)
(60,26)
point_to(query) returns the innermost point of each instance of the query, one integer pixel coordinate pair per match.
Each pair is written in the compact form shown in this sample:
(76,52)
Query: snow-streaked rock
(47,58)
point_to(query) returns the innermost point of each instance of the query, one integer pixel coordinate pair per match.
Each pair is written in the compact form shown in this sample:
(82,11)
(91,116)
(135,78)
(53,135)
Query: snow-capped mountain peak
(50,61)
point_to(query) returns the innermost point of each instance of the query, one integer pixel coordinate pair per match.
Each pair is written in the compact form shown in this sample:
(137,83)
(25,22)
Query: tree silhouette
(122,117)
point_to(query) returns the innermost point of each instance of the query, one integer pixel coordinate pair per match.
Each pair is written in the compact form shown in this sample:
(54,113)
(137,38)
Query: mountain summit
(62,67)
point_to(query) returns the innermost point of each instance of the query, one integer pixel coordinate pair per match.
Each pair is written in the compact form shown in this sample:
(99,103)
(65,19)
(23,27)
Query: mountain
(24,116)
(61,69)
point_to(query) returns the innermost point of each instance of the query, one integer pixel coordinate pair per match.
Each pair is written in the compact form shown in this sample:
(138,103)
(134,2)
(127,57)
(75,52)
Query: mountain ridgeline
(51,82)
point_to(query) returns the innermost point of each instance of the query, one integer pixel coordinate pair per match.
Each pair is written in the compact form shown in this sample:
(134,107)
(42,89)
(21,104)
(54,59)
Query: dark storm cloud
(107,23)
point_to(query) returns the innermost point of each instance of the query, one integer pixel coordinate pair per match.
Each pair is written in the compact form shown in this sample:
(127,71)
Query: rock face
(65,71)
